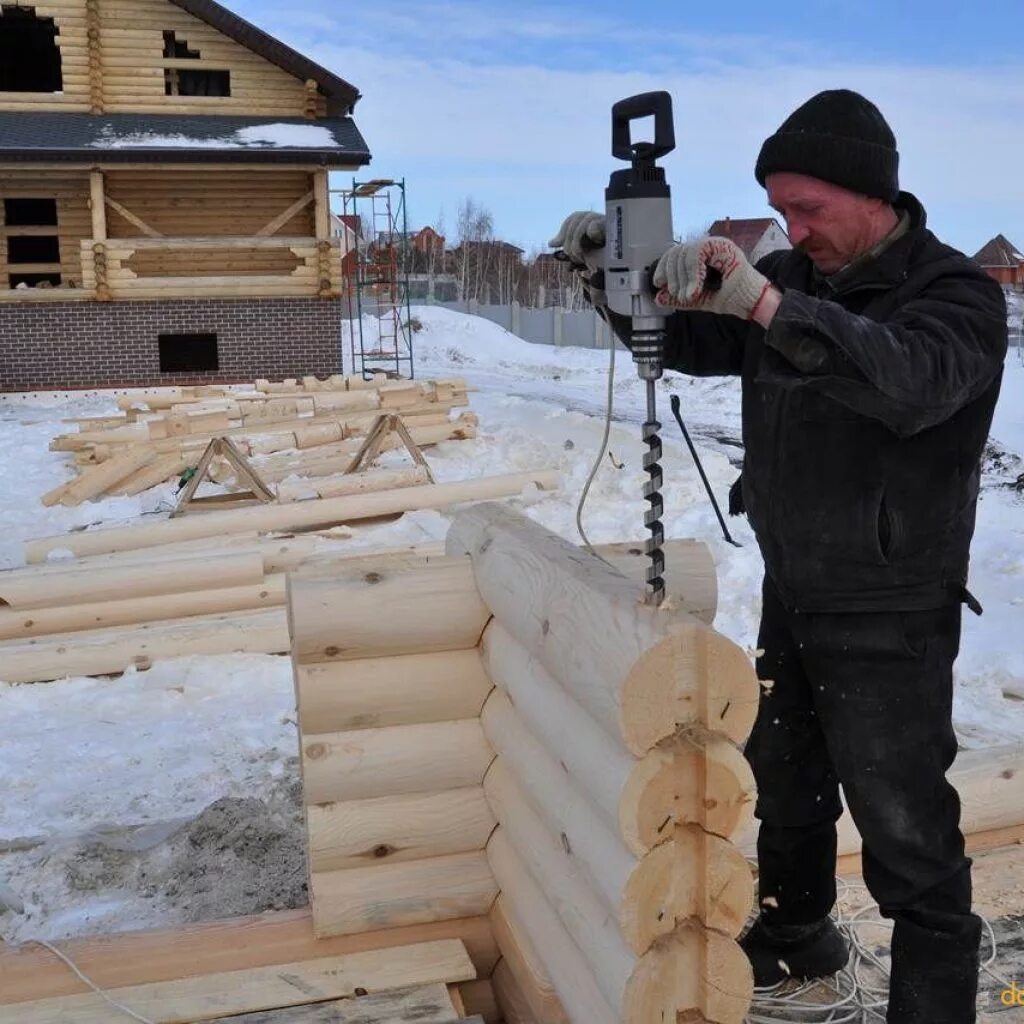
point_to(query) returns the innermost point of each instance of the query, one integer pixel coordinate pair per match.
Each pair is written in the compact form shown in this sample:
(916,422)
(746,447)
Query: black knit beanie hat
(837,136)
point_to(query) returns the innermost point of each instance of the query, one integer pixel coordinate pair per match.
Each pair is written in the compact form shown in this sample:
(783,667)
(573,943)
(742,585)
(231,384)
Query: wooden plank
(131,218)
(32,972)
(281,219)
(209,997)
(430,1004)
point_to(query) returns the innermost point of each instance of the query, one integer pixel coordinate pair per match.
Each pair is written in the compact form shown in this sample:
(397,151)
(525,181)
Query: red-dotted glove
(733,287)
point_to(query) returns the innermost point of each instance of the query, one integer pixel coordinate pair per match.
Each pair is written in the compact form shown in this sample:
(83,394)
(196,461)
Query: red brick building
(1003,261)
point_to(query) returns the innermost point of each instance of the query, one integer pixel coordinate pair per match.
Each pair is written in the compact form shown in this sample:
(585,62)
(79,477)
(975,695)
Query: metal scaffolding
(376,267)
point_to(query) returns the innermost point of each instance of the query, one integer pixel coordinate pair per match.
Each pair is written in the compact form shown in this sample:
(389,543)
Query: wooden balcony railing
(210,267)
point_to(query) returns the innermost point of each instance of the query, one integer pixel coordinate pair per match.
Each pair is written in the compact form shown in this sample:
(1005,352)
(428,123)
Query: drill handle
(647,104)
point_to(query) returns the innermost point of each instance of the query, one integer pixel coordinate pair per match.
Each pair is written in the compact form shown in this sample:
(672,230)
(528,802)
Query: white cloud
(437,114)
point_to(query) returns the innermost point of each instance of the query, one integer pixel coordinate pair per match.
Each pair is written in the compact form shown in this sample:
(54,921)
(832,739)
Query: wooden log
(988,782)
(352,483)
(690,575)
(161,470)
(393,761)
(393,895)
(15,623)
(566,890)
(394,829)
(478,999)
(709,785)
(352,610)
(25,589)
(642,672)
(692,975)
(574,981)
(326,511)
(401,690)
(93,482)
(646,897)
(525,965)
(512,1002)
(105,651)
(30,972)
(178,1002)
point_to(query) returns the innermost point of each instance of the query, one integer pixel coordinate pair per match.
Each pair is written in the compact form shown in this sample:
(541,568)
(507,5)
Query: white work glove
(584,224)
(682,276)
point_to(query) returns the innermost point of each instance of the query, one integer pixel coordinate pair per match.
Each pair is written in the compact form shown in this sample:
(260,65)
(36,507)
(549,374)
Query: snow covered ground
(171,794)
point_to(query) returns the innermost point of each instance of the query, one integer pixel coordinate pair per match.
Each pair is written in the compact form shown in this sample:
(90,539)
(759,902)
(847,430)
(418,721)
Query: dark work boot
(799,951)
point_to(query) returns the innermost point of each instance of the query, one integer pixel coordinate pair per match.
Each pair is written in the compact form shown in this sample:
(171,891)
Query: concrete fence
(549,326)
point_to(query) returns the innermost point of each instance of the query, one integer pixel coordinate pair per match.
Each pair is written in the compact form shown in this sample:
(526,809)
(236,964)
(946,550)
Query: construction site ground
(171,795)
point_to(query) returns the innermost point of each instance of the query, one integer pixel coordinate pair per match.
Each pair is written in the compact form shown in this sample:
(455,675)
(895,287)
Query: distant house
(1003,261)
(756,236)
(427,240)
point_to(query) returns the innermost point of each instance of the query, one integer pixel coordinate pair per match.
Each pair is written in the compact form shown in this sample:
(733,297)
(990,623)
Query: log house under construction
(164,211)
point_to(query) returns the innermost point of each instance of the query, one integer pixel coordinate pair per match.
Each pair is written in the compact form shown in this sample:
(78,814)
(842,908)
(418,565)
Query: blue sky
(508,103)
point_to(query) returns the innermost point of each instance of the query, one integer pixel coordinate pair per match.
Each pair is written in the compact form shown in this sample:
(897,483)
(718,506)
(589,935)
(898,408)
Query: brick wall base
(58,345)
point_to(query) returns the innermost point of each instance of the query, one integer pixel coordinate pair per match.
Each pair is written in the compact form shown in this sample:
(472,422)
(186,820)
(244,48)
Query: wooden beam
(97,203)
(295,515)
(642,672)
(30,971)
(220,995)
(323,207)
(132,219)
(706,783)
(273,226)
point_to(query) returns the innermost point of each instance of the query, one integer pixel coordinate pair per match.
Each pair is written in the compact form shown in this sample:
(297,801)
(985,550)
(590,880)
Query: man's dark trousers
(865,699)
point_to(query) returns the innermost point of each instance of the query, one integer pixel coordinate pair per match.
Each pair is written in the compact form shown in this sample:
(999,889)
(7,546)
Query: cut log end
(694,677)
(706,783)
(694,971)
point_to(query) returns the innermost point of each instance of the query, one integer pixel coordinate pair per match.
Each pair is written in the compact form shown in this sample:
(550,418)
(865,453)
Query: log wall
(389,688)
(600,776)
(121,69)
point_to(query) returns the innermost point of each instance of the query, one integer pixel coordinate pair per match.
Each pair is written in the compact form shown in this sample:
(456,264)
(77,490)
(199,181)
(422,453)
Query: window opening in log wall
(33,258)
(188,353)
(29,55)
(188,81)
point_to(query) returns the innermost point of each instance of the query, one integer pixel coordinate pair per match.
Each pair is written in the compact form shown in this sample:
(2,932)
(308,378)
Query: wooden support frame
(224,447)
(376,437)
(275,225)
(132,218)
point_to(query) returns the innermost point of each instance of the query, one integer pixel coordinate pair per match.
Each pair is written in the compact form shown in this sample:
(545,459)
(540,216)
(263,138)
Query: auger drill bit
(652,494)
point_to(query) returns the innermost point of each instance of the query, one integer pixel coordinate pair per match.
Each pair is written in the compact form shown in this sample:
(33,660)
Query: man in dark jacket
(871,357)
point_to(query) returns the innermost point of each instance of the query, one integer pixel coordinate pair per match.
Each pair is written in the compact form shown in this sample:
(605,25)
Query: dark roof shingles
(79,138)
(746,233)
(999,252)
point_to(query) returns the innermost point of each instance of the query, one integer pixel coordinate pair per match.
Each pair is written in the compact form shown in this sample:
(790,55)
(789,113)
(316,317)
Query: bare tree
(475,225)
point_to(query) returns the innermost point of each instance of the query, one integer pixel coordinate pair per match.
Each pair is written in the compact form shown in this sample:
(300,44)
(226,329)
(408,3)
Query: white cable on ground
(600,454)
(858,994)
(88,981)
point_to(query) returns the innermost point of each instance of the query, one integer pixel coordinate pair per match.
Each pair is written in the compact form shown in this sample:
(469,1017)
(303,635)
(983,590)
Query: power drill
(638,225)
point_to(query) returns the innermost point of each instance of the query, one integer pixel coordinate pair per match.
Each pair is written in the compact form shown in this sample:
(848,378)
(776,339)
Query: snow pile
(102,844)
(276,135)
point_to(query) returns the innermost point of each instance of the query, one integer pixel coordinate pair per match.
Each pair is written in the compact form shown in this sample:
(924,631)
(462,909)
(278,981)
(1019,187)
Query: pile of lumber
(203,584)
(508,730)
(310,428)
(402,984)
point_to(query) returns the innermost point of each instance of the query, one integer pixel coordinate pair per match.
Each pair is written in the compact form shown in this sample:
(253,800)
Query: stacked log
(160,434)
(204,584)
(389,686)
(511,718)
(616,785)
